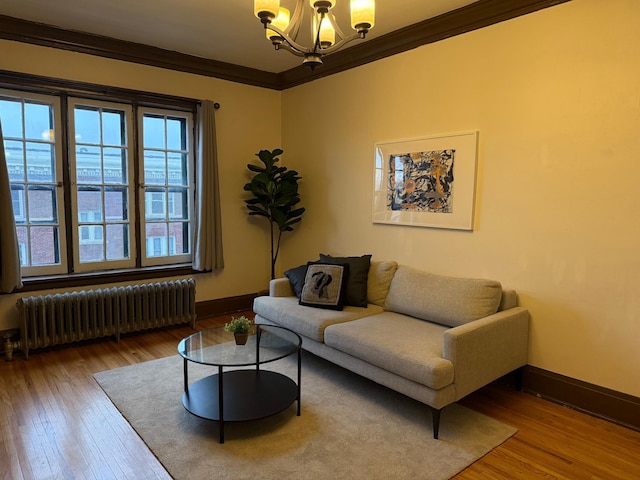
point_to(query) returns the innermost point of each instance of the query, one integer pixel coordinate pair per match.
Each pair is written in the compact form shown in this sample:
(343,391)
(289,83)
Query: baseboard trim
(601,402)
(222,306)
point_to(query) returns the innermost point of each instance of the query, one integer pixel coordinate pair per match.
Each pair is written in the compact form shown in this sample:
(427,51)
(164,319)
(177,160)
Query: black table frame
(239,395)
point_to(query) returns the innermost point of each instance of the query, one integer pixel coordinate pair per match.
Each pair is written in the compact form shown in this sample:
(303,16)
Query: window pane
(38,121)
(23,242)
(90,204)
(91,250)
(11,114)
(115,204)
(40,162)
(177,167)
(178,204)
(179,236)
(155,205)
(88,164)
(44,245)
(156,234)
(117,241)
(115,165)
(176,134)
(113,131)
(87,124)
(42,204)
(90,234)
(18,203)
(153,132)
(14,153)
(155,167)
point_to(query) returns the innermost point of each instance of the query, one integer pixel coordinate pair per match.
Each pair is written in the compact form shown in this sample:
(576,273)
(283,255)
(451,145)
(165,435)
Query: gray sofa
(431,337)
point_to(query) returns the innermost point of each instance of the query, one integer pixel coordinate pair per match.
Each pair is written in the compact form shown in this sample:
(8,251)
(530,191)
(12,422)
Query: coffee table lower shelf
(246,395)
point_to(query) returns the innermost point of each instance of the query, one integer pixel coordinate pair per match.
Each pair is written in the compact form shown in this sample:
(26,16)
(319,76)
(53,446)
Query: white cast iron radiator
(48,320)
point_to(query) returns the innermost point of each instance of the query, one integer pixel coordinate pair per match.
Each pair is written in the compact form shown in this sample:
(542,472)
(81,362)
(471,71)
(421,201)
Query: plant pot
(241,338)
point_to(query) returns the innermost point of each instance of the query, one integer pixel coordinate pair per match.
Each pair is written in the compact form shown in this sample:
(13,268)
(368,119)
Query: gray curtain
(9,253)
(208,241)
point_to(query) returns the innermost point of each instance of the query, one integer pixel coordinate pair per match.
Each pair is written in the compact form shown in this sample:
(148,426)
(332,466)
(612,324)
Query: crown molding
(48,36)
(472,17)
(466,19)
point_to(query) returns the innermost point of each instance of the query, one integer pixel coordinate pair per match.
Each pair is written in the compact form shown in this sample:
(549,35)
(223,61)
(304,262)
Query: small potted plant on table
(240,327)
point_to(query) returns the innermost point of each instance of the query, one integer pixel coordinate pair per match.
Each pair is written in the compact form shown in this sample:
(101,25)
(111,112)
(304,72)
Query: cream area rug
(349,428)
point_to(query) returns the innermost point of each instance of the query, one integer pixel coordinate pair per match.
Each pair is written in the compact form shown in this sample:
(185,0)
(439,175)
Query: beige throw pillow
(379,280)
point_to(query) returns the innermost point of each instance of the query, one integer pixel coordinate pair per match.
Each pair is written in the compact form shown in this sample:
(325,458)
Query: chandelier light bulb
(282,22)
(266,10)
(363,14)
(327,34)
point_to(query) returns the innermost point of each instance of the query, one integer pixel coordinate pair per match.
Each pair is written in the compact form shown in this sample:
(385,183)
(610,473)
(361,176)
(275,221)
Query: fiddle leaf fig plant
(275,197)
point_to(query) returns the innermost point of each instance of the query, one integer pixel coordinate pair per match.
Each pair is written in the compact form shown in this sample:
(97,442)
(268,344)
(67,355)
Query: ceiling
(225,31)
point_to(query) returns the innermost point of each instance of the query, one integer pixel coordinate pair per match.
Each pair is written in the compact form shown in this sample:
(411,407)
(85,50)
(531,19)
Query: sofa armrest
(280,287)
(486,349)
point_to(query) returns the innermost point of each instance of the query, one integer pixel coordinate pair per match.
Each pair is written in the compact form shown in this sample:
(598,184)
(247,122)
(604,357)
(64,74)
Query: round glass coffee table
(243,393)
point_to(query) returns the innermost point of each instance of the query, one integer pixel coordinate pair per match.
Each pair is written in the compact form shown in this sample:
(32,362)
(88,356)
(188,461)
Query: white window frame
(61,267)
(104,264)
(146,259)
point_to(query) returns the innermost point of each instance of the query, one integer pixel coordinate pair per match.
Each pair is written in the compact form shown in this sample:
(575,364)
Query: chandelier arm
(294,25)
(336,27)
(285,46)
(338,45)
(287,39)
(316,34)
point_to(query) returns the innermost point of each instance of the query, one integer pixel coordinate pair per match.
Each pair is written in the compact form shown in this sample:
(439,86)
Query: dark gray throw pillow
(324,286)
(296,278)
(357,280)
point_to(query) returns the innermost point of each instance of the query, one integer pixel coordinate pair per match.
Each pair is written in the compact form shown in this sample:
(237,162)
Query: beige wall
(242,126)
(555,96)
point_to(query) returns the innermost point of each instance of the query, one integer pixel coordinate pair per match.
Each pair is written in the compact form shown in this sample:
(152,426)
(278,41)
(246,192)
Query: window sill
(96,279)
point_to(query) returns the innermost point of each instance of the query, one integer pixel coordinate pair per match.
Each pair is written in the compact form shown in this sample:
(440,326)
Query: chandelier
(282,29)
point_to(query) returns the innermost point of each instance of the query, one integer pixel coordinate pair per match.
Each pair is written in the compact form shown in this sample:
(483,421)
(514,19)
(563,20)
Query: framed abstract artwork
(427,182)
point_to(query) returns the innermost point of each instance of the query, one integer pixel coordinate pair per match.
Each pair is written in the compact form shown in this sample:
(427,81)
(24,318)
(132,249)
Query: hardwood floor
(57,423)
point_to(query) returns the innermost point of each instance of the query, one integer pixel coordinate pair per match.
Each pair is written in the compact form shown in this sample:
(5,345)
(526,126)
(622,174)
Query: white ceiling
(223,30)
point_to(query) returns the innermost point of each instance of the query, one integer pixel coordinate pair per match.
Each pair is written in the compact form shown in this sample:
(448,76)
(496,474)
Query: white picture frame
(426,182)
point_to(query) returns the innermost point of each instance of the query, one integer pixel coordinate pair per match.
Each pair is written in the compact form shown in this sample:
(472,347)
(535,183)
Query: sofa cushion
(380,276)
(307,321)
(356,279)
(296,278)
(399,344)
(446,300)
(325,286)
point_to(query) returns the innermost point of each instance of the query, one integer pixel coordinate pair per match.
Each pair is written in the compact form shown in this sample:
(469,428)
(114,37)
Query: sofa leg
(435,419)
